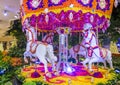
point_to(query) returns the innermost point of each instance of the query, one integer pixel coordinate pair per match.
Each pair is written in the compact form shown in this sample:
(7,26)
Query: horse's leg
(85,62)
(43,60)
(52,59)
(55,72)
(104,62)
(92,60)
(45,64)
(109,59)
(25,57)
(110,63)
(71,53)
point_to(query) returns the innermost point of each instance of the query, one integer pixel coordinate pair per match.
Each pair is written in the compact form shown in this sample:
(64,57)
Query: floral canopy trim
(102,5)
(50,14)
(62,20)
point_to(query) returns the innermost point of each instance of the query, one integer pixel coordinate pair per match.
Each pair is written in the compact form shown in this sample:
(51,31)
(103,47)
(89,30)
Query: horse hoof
(112,68)
(105,68)
(91,71)
(48,74)
(56,73)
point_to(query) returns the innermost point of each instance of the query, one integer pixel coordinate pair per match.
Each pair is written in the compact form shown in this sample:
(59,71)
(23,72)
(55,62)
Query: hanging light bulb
(5,13)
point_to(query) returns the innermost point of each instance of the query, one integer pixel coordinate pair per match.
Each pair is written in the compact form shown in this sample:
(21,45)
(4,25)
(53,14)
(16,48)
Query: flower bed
(80,76)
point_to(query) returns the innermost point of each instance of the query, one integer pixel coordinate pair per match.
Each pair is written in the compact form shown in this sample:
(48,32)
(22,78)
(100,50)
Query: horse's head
(87,26)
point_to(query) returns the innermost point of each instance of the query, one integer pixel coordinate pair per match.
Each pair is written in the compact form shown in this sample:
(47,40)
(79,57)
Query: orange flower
(16,61)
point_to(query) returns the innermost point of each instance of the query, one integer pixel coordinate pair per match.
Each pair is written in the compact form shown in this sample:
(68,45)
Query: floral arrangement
(103,4)
(86,2)
(60,20)
(15,61)
(101,76)
(72,14)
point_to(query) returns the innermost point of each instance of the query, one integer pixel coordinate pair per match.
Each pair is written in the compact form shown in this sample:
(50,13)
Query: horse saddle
(34,46)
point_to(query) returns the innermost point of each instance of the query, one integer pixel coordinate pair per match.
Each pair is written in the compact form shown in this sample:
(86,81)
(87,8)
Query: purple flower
(86,3)
(35,74)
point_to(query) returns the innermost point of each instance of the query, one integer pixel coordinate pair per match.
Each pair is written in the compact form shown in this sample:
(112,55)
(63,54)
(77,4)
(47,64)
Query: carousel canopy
(47,15)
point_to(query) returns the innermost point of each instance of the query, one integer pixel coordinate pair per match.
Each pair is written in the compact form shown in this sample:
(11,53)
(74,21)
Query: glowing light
(69,69)
(71,5)
(16,16)
(5,13)
(118,45)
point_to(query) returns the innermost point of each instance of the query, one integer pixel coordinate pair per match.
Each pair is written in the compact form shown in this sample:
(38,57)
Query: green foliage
(8,83)
(100,83)
(4,61)
(16,31)
(41,83)
(3,79)
(5,64)
(29,83)
(7,76)
(18,76)
(114,30)
(74,39)
(16,51)
(116,61)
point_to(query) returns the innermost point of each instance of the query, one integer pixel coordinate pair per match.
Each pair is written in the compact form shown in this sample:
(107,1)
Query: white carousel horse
(44,52)
(48,39)
(78,49)
(94,52)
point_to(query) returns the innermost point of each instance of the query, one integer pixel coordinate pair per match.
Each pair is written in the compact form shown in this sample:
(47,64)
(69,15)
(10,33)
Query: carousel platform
(80,75)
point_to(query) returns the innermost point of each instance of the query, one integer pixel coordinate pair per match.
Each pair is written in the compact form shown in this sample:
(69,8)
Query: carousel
(64,17)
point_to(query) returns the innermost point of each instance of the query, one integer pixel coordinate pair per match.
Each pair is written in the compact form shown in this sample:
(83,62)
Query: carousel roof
(47,15)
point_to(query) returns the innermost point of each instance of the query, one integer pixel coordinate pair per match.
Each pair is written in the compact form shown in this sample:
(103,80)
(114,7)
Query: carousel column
(63,48)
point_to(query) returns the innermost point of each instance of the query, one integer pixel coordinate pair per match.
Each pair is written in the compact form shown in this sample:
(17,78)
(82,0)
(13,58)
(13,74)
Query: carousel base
(80,75)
